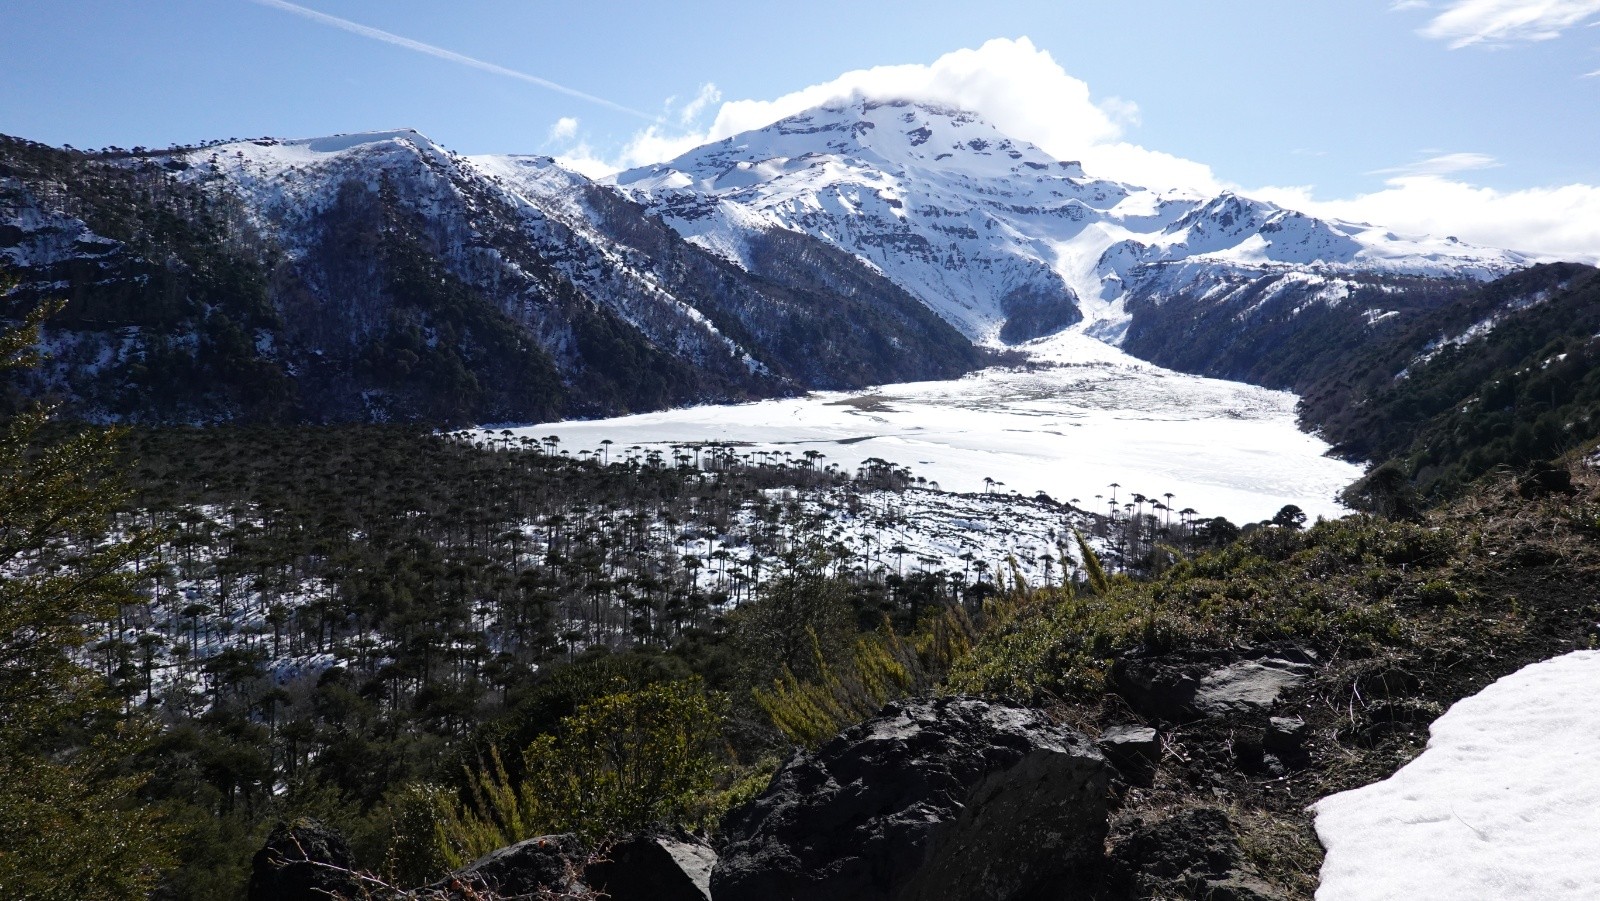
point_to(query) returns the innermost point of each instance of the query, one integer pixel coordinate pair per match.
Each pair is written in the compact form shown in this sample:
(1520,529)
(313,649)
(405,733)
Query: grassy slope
(1407,618)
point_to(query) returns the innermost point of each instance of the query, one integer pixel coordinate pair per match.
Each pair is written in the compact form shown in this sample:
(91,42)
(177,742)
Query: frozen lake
(1088,416)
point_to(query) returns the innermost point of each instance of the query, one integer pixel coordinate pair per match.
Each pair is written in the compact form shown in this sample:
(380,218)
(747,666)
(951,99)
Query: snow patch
(1504,804)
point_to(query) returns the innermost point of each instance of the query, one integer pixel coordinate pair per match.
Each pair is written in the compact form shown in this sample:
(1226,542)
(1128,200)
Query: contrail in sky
(376,34)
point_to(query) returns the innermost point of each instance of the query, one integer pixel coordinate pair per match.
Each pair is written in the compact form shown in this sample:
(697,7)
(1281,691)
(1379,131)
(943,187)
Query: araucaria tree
(73,827)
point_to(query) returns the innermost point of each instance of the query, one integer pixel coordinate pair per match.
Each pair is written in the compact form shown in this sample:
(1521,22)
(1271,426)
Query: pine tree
(73,827)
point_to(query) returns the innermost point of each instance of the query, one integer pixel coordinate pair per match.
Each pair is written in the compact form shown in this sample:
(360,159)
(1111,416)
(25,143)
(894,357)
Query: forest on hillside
(349,624)
(439,643)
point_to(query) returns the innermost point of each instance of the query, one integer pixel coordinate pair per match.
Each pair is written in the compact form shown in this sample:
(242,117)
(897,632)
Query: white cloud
(1500,22)
(1123,112)
(565,129)
(1561,222)
(1442,164)
(583,159)
(691,111)
(1132,164)
(1017,87)
(656,144)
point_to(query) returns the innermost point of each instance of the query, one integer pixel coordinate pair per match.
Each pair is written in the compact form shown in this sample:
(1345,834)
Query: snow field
(1503,805)
(1090,416)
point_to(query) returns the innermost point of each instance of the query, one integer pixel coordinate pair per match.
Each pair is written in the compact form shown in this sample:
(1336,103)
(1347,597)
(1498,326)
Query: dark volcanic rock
(550,866)
(1546,478)
(1185,687)
(1133,750)
(644,867)
(1192,854)
(303,861)
(654,868)
(942,799)
(1285,735)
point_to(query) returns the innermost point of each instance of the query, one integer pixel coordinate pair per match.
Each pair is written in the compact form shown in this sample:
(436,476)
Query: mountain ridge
(950,194)
(324,227)
(379,275)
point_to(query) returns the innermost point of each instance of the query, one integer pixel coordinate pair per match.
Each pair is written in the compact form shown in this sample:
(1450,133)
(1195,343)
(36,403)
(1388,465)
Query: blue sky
(1475,117)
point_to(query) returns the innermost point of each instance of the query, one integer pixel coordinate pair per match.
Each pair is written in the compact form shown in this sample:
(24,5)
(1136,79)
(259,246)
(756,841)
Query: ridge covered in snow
(1000,239)
(288,183)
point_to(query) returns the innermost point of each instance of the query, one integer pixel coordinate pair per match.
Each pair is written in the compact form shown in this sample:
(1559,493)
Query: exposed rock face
(643,867)
(654,868)
(1285,735)
(1133,750)
(1200,686)
(1192,854)
(550,866)
(303,861)
(948,798)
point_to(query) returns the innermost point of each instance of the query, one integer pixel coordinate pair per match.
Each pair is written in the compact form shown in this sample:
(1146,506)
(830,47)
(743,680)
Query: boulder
(1546,478)
(550,866)
(303,861)
(1247,685)
(1191,854)
(932,799)
(1186,687)
(1285,736)
(1133,750)
(651,867)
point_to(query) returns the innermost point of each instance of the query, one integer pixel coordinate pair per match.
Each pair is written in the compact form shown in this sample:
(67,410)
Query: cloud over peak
(1017,87)
(1025,93)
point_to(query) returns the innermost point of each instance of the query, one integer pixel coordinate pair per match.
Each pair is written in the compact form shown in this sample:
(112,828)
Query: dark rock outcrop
(303,861)
(1191,854)
(550,866)
(1187,687)
(1545,478)
(1133,750)
(650,867)
(940,799)
(1285,736)
(642,867)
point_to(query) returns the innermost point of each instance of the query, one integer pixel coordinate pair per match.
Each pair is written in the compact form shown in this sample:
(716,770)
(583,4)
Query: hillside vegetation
(427,744)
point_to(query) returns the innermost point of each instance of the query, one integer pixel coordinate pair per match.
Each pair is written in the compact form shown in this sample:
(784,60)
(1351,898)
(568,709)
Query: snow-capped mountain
(527,231)
(1003,241)
(479,230)
(379,276)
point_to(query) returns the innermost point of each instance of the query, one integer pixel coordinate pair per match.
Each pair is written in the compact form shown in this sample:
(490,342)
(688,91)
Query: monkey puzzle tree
(73,827)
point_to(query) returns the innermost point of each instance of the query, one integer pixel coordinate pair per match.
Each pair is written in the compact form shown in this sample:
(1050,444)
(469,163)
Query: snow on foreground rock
(1504,803)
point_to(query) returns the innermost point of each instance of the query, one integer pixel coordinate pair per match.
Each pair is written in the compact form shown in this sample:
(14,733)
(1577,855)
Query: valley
(1077,417)
(427,511)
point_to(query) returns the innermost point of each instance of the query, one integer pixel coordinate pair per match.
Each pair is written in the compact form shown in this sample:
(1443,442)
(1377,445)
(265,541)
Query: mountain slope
(1507,375)
(379,276)
(1000,239)
(813,314)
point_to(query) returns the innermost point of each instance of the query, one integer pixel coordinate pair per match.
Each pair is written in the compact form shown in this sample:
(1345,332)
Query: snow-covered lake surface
(1504,804)
(1089,416)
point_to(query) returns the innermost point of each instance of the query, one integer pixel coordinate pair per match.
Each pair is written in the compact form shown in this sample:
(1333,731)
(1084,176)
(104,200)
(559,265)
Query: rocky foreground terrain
(1186,775)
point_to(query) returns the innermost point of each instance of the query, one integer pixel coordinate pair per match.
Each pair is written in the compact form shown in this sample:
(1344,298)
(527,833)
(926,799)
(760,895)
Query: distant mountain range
(380,276)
